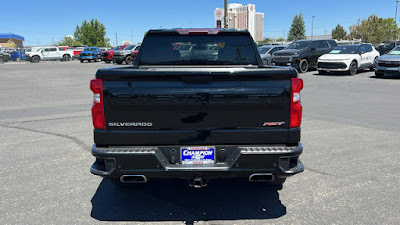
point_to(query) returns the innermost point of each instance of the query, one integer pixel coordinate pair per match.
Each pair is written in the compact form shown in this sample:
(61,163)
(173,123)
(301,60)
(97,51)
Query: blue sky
(44,21)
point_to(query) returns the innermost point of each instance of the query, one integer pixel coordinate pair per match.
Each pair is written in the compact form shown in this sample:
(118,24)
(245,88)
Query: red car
(107,56)
(78,51)
(135,52)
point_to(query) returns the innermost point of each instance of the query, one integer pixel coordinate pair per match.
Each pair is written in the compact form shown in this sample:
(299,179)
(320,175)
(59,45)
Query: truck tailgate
(195,106)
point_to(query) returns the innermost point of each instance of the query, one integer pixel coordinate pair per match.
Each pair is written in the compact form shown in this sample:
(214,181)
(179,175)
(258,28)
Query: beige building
(18,40)
(242,17)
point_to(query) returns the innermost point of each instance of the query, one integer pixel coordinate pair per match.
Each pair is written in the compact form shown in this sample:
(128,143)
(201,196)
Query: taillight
(295,103)
(96,85)
(198,31)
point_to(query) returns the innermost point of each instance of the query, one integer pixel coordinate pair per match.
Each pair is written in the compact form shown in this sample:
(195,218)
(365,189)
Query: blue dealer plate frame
(198,155)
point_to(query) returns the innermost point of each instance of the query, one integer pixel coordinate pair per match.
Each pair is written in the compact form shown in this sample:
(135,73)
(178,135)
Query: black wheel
(81,60)
(1,60)
(265,62)
(353,68)
(35,59)
(128,60)
(303,66)
(379,74)
(68,58)
(64,58)
(119,62)
(322,72)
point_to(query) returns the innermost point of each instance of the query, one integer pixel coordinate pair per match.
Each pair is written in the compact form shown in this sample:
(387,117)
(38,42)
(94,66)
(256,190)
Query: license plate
(198,155)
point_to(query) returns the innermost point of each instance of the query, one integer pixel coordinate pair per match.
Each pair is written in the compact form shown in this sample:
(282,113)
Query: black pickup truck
(215,111)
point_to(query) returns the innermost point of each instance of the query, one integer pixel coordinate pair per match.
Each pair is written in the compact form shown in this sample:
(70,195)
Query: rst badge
(271,124)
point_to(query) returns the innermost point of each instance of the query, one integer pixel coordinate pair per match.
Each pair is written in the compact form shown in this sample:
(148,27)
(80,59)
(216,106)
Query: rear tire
(303,66)
(265,62)
(81,61)
(353,68)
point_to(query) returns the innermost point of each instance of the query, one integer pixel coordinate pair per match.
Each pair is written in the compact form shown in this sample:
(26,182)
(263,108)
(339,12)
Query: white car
(349,58)
(49,53)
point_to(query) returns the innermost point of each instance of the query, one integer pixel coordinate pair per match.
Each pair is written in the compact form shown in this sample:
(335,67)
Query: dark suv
(303,54)
(4,57)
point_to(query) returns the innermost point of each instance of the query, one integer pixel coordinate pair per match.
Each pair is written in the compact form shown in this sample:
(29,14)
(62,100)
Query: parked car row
(120,54)
(12,55)
(326,56)
(303,54)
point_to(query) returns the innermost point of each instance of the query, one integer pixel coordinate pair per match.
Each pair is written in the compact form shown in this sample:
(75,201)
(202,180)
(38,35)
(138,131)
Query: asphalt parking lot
(350,134)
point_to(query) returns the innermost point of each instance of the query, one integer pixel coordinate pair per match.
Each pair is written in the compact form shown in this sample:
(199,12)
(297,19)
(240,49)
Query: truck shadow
(176,201)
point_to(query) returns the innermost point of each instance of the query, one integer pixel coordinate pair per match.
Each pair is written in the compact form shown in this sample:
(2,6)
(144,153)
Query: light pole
(358,27)
(395,28)
(312,28)
(226,14)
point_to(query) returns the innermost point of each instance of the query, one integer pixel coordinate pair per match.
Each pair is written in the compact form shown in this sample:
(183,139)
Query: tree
(375,30)
(339,33)
(280,39)
(92,33)
(266,40)
(11,43)
(298,29)
(69,41)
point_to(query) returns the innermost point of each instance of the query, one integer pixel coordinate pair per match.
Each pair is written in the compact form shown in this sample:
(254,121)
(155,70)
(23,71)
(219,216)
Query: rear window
(198,50)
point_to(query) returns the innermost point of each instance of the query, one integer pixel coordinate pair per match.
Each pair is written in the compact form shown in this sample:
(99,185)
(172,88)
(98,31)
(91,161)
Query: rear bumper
(232,161)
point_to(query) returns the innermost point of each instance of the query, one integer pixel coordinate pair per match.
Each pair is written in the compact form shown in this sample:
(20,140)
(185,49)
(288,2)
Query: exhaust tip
(133,179)
(261,177)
